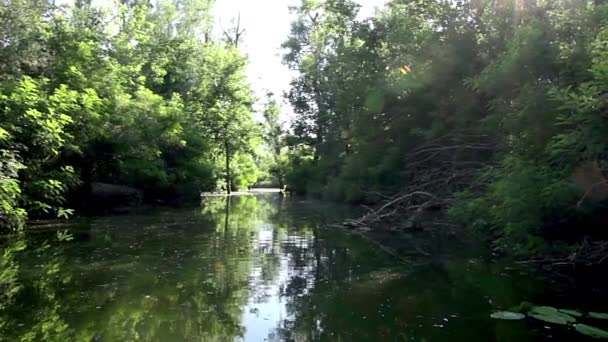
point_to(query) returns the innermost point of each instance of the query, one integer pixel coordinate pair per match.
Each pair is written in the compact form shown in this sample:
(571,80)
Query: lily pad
(550,315)
(598,315)
(572,313)
(591,331)
(507,315)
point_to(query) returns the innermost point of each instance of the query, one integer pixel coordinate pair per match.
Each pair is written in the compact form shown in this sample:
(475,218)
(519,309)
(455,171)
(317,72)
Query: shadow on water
(252,268)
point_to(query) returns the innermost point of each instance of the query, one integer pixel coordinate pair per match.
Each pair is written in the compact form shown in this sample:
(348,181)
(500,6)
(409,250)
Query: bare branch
(435,172)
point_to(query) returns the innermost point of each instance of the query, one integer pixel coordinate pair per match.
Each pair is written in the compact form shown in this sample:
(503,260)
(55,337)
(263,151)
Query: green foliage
(275,140)
(300,174)
(524,82)
(522,196)
(17,289)
(36,124)
(127,94)
(11,216)
(245,171)
(9,276)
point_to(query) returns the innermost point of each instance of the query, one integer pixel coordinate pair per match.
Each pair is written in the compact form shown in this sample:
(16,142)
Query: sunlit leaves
(126,94)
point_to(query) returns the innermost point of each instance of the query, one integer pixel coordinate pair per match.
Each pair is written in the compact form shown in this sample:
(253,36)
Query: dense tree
(489,108)
(136,94)
(274,135)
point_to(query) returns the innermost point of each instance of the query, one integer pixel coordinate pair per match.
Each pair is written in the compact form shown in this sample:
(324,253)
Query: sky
(267,25)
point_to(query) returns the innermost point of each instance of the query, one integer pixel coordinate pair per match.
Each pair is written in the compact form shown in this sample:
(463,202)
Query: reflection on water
(253,268)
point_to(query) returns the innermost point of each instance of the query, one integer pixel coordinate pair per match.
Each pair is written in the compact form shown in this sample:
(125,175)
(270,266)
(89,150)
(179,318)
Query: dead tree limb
(434,172)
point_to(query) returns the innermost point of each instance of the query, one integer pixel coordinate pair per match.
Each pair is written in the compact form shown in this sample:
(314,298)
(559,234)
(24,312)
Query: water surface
(262,268)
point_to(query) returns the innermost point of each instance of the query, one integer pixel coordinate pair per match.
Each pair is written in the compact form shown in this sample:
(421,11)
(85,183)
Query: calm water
(260,268)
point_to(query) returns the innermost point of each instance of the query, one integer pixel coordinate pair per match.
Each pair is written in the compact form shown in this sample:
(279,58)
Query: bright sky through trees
(267,25)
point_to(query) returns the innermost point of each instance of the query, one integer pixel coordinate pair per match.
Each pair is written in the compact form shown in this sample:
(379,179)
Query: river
(263,268)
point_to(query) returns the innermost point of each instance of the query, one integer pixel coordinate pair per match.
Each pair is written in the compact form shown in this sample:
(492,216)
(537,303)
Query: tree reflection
(30,307)
(198,291)
(178,277)
(237,268)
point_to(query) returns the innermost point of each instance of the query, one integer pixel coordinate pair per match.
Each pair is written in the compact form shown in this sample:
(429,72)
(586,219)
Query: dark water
(259,268)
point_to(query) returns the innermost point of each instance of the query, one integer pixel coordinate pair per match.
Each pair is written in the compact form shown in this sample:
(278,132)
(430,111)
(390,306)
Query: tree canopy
(493,109)
(136,93)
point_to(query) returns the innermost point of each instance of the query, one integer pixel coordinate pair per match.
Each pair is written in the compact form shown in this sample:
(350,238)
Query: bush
(523,198)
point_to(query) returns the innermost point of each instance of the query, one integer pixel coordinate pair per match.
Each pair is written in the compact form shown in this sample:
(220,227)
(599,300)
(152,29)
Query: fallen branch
(589,191)
(434,172)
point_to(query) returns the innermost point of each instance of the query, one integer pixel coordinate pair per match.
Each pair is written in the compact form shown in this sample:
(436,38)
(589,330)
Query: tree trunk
(228,185)
(227,216)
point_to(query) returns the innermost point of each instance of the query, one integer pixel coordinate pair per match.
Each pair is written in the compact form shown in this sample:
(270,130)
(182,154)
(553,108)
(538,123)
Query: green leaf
(64,213)
(598,315)
(4,134)
(591,331)
(507,315)
(550,315)
(572,313)
(64,236)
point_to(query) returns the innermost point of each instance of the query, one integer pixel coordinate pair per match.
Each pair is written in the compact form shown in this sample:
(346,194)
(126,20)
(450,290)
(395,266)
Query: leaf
(507,315)
(4,134)
(598,315)
(572,313)
(591,331)
(551,315)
